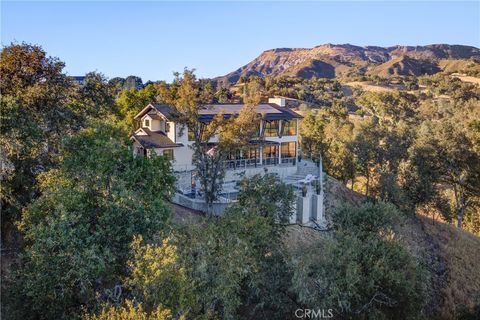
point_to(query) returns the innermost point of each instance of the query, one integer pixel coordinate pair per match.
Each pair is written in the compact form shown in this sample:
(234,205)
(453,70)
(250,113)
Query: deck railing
(242,163)
(291,160)
(252,163)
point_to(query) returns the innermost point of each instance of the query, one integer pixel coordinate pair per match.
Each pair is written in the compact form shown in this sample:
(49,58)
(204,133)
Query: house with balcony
(276,150)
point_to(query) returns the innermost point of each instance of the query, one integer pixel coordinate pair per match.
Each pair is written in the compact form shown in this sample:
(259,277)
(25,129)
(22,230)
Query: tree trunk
(368,183)
(460,217)
(460,211)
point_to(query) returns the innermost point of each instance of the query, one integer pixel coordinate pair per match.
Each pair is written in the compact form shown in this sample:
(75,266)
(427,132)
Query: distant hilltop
(341,60)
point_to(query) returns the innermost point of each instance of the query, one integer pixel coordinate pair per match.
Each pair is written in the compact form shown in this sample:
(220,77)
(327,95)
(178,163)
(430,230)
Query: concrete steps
(307,167)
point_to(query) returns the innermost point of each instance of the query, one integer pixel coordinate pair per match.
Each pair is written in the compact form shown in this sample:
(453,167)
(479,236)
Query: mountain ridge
(338,60)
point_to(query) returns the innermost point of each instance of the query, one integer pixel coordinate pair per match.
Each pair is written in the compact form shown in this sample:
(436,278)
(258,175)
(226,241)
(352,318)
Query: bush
(361,271)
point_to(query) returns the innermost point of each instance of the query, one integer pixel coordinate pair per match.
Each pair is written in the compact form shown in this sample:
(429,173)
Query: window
(271,128)
(168,154)
(146,123)
(289,128)
(252,153)
(234,155)
(191,135)
(270,154)
(167,127)
(289,150)
(252,156)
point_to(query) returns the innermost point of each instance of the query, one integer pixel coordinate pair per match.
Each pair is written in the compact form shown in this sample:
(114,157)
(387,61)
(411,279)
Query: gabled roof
(271,111)
(154,116)
(161,109)
(153,139)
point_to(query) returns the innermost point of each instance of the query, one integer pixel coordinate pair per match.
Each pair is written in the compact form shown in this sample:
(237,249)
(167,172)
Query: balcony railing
(291,160)
(270,161)
(242,163)
(252,163)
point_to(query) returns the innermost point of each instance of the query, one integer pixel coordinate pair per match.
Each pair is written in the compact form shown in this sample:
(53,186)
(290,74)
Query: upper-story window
(168,154)
(289,128)
(146,123)
(167,127)
(271,128)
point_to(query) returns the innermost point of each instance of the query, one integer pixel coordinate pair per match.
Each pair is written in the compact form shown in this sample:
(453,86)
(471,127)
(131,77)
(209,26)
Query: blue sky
(153,39)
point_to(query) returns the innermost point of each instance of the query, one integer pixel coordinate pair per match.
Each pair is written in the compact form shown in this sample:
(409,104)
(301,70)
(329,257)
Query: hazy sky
(153,39)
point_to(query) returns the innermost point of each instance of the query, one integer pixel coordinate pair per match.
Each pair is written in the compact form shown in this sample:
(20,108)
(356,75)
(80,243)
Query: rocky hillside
(330,61)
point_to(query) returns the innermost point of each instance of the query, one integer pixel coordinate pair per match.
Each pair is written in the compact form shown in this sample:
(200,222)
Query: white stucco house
(275,151)
(278,149)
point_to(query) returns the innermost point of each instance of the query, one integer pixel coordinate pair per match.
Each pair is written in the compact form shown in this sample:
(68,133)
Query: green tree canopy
(38,111)
(78,232)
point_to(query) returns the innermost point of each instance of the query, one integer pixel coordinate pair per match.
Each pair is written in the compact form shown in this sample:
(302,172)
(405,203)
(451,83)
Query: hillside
(330,61)
(449,255)
(405,66)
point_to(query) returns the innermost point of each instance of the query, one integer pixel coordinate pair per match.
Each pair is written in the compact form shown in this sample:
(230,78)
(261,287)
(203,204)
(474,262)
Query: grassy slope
(461,252)
(404,66)
(451,256)
(454,65)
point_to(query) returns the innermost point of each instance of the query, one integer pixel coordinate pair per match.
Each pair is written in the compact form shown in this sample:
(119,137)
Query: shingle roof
(154,139)
(270,110)
(164,109)
(154,116)
(208,112)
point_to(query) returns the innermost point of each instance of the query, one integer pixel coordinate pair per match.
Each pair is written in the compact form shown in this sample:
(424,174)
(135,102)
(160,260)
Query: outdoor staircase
(309,207)
(306,167)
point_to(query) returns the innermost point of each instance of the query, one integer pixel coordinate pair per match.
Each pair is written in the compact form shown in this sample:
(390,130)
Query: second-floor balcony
(237,164)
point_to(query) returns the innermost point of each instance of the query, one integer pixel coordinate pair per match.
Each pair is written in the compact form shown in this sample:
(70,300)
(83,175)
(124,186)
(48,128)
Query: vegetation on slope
(405,66)
(97,240)
(449,256)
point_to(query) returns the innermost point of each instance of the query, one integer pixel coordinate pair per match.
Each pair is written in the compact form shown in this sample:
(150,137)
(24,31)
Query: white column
(304,205)
(260,150)
(280,153)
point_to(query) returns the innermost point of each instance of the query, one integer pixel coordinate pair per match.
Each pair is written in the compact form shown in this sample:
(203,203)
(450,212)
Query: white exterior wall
(171,134)
(183,155)
(183,138)
(155,125)
(182,159)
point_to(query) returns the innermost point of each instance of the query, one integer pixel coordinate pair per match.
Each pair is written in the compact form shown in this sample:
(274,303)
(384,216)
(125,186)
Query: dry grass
(183,215)
(458,65)
(369,86)
(461,252)
(465,78)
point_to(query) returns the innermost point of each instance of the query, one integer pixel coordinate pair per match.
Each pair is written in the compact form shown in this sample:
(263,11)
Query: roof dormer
(151,121)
